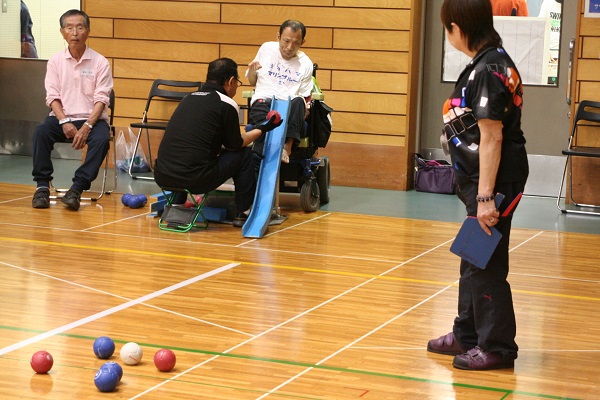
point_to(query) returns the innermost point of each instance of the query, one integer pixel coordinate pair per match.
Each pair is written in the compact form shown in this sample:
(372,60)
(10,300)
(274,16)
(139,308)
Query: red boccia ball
(41,362)
(165,360)
(276,114)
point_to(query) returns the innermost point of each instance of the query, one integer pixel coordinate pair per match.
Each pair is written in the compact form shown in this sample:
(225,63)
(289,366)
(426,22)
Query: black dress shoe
(240,220)
(41,198)
(72,199)
(479,359)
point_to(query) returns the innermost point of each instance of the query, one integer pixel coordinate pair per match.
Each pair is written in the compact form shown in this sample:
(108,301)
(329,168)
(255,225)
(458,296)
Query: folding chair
(171,91)
(588,146)
(111,112)
(181,219)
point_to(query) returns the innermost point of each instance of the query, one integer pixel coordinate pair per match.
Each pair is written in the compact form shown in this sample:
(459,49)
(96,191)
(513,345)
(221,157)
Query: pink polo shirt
(78,85)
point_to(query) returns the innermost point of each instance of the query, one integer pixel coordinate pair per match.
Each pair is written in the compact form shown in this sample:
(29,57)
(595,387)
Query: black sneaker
(240,220)
(72,199)
(41,198)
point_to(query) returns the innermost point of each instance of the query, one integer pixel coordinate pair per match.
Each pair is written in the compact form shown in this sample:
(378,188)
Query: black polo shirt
(203,124)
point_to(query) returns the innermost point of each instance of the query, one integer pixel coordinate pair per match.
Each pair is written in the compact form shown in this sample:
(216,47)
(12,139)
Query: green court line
(506,392)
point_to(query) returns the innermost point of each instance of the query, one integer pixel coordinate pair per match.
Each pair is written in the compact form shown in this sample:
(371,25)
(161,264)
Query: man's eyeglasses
(78,28)
(239,82)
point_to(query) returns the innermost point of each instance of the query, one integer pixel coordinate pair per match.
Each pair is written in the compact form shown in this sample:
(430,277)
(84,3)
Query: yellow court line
(302,269)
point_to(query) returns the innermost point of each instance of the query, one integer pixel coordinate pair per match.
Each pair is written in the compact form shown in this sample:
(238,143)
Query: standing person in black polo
(203,145)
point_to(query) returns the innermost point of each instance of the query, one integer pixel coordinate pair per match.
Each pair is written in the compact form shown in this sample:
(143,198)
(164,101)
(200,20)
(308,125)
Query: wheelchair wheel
(309,195)
(323,178)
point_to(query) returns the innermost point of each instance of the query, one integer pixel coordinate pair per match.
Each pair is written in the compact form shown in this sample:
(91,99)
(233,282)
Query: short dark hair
(221,70)
(70,13)
(475,19)
(293,25)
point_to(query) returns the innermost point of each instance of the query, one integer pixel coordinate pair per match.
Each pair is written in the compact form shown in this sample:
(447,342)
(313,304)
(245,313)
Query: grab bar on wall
(570,77)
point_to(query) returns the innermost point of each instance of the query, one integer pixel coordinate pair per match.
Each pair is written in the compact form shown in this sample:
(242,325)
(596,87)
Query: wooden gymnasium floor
(329,305)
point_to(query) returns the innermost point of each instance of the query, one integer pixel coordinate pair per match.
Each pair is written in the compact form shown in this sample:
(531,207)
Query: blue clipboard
(474,245)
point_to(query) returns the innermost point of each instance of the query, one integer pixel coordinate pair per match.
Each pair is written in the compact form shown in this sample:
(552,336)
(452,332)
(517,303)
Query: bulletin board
(525,39)
(592,9)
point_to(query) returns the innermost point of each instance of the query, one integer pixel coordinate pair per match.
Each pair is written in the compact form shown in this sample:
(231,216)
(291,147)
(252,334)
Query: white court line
(228,246)
(114,222)
(284,229)
(74,230)
(382,325)
(113,310)
(173,378)
(355,341)
(124,298)
(17,199)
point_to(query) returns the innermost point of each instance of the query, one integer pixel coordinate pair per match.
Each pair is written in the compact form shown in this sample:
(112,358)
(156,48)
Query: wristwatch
(64,121)
(89,125)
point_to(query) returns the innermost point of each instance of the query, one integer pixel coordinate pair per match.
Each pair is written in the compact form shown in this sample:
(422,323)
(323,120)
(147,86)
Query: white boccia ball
(131,353)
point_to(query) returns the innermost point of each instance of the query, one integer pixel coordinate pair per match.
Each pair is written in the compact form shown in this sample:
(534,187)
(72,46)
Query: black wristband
(484,199)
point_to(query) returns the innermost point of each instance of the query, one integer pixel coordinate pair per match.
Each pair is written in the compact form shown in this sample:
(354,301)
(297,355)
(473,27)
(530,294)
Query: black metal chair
(586,117)
(165,90)
(111,111)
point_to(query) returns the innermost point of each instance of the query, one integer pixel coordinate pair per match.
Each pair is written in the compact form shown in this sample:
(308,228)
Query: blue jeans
(49,133)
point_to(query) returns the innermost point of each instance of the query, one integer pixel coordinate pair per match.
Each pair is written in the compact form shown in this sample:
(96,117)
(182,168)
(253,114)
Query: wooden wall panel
(589,90)
(137,69)
(152,50)
(358,39)
(372,103)
(587,70)
(369,124)
(336,17)
(198,11)
(212,33)
(360,60)
(591,47)
(277,2)
(369,82)
(374,3)
(366,52)
(587,87)
(377,140)
(101,27)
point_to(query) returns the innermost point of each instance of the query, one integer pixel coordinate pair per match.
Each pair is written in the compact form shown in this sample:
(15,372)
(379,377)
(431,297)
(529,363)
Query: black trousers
(50,132)
(238,165)
(486,316)
(295,124)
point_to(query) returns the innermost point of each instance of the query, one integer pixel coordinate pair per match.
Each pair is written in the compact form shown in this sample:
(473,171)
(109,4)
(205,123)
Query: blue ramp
(264,199)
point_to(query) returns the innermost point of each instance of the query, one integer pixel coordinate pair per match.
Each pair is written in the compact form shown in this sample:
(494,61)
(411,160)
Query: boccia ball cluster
(134,200)
(110,373)
(41,362)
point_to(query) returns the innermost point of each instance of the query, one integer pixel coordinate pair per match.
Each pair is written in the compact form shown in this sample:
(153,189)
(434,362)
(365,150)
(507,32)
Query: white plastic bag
(125,154)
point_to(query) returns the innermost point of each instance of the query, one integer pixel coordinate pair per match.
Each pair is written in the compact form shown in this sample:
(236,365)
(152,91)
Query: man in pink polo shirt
(78,85)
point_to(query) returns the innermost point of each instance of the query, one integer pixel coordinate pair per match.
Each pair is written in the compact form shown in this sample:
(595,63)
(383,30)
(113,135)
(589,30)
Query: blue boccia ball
(106,379)
(113,366)
(137,201)
(104,347)
(142,197)
(126,199)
